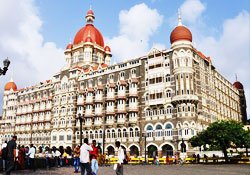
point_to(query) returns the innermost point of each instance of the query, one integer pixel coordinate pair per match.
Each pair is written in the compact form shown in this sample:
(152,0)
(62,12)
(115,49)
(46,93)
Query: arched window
(131,132)
(136,132)
(149,131)
(113,133)
(168,130)
(119,133)
(168,93)
(124,133)
(167,78)
(158,131)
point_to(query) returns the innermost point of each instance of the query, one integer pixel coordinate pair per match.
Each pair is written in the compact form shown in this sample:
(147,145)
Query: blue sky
(34,33)
(62,18)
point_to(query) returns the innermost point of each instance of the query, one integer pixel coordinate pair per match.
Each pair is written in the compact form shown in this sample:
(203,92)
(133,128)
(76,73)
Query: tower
(243,105)
(184,99)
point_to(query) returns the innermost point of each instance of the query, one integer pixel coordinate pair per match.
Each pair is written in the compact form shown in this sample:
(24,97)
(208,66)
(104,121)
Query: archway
(134,150)
(167,150)
(152,151)
(111,150)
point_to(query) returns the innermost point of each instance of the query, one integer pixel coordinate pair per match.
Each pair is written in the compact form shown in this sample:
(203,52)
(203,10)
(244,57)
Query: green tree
(223,135)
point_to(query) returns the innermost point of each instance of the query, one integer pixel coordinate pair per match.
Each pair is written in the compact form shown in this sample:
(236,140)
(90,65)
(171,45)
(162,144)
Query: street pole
(145,146)
(80,118)
(103,139)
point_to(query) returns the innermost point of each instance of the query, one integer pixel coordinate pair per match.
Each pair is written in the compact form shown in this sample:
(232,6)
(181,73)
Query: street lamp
(144,134)
(6,64)
(80,118)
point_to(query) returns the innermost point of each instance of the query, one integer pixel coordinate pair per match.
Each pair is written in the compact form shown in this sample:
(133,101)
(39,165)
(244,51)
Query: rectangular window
(68,137)
(61,138)
(54,138)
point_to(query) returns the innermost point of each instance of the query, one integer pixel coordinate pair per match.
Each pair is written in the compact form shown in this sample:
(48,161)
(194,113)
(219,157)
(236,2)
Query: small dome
(69,46)
(10,85)
(180,33)
(107,49)
(238,85)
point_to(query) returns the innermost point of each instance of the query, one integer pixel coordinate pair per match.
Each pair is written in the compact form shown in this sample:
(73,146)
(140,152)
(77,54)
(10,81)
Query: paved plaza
(231,169)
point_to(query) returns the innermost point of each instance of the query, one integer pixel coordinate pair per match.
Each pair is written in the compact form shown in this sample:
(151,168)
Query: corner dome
(107,49)
(180,33)
(238,85)
(69,46)
(10,85)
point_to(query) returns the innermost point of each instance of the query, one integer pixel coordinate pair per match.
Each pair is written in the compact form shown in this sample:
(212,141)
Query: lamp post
(144,134)
(80,118)
(6,64)
(103,139)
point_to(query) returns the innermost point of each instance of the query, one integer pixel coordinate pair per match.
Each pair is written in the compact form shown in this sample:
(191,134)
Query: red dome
(94,33)
(107,49)
(180,33)
(69,46)
(238,85)
(10,85)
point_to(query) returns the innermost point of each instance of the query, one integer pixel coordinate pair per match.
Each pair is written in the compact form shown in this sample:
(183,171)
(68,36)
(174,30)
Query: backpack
(4,153)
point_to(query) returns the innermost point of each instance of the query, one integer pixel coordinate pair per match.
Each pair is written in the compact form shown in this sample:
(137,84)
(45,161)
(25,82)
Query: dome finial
(236,77)
(90,16)
(179,18)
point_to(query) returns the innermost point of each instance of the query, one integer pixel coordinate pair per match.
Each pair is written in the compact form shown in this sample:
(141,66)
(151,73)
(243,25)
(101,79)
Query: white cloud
(137,25)
(32,59)
(230,51)
(191,10)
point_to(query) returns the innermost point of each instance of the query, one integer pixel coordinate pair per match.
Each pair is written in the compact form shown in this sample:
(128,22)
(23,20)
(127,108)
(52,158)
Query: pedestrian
(56,154)
(198,158)
(31,154)
(120,155)
(76,158)
(11,155)
(93,156)
(167,160)
(176,158)
(84,157)
(4,154)
(21,156)
(47,157)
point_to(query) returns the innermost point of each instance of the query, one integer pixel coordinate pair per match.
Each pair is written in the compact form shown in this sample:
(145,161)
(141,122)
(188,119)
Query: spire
(179,18)
(236,77)
(90,16)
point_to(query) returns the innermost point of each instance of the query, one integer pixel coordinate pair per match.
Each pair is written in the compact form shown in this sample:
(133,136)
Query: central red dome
(89,31)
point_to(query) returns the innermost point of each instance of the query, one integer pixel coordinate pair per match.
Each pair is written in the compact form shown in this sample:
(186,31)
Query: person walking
(84,157)
(76,158)
(4,154)
(94,155)
(31,154)
(11,155)
(21,156)
(120,155)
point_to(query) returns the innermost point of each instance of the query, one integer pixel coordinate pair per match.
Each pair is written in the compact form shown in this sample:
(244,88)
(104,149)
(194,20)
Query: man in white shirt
(84,157)
(120,155)
(31,154)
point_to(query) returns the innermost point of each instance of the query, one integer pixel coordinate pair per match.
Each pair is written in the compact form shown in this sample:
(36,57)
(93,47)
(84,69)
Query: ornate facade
(161,98)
